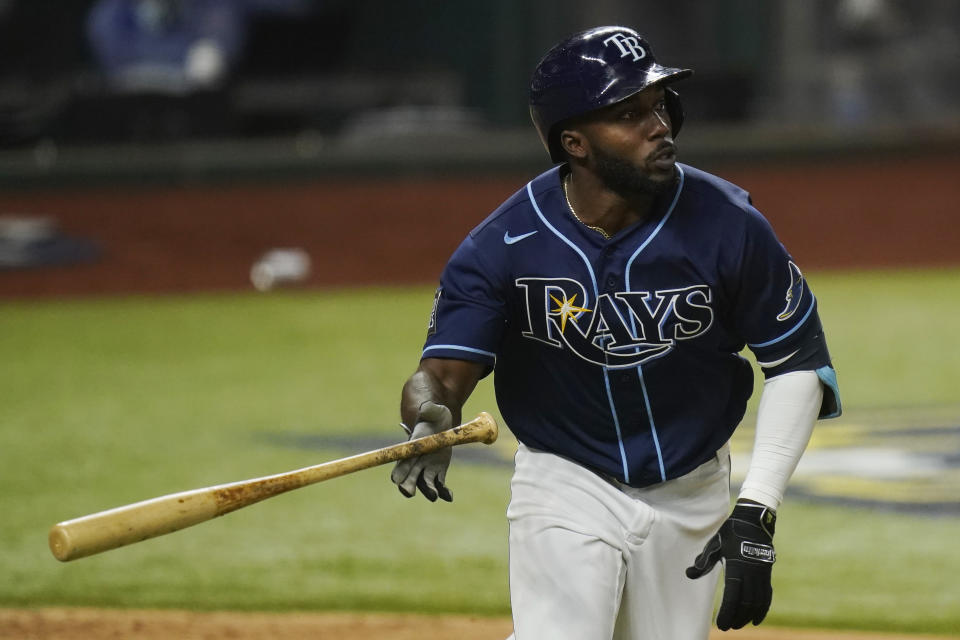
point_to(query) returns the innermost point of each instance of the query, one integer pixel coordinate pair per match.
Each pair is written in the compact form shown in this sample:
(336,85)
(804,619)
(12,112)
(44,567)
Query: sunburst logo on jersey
(567,309)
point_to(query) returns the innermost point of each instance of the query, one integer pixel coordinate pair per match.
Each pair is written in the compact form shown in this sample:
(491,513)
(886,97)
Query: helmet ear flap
(674,109)
(553,142)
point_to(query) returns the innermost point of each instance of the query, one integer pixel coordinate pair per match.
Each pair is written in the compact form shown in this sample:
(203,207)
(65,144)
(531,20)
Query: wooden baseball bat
(125,525)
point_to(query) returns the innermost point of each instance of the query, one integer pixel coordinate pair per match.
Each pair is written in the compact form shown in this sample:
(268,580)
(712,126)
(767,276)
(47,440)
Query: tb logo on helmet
(628,45)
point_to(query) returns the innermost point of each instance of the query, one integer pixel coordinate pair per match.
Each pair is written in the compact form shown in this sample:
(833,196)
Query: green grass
(112,401)
(893,335)
(859,569)
(105,402)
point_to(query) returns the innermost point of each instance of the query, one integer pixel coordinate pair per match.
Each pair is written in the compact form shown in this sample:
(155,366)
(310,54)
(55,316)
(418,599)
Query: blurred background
(251,125)
(336,84)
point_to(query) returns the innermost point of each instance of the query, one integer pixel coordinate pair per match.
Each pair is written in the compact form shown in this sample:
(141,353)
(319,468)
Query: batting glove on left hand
(428,472)
(745,544)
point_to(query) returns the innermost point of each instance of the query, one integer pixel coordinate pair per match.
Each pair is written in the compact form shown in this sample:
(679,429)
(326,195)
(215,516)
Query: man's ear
(574,143)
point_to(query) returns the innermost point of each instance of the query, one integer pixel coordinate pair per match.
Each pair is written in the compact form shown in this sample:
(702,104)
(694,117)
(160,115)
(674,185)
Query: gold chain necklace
(566,196)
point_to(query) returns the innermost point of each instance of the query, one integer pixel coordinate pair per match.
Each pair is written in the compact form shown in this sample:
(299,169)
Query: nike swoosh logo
(508,239)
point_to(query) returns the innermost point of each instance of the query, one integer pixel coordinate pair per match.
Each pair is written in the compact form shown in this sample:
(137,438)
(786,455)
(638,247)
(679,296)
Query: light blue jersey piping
(813,301)
(659,227)
(596,295)
(643,384)
(459,348)
(653,427)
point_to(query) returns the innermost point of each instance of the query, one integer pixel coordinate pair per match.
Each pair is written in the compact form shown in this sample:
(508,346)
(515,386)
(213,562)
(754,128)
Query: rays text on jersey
(622,329)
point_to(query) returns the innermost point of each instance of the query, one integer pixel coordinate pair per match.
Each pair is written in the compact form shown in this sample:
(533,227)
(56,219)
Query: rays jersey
(622,354)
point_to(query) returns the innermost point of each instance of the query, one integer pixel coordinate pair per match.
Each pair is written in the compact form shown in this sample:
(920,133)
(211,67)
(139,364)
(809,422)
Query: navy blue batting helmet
(593,69)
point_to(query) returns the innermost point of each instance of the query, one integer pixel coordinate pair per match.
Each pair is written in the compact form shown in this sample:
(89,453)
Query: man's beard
(627,180)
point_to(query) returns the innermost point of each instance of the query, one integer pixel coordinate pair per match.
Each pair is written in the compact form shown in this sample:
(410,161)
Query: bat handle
(483,429)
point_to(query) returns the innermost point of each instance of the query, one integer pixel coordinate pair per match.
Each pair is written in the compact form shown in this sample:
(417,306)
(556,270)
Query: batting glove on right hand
(745,544)
(428,472)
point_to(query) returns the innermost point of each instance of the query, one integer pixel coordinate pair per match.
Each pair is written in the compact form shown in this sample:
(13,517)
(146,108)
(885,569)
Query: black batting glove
(745,544)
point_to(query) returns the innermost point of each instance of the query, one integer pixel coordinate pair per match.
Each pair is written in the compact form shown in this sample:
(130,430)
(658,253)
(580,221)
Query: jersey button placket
(611,280)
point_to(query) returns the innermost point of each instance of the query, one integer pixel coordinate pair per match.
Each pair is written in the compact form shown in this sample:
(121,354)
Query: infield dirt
(90,624)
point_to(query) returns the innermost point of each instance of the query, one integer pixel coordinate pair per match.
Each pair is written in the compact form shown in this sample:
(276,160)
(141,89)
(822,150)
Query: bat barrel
(125,525)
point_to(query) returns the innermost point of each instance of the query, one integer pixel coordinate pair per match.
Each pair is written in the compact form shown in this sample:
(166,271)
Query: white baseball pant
(592,559)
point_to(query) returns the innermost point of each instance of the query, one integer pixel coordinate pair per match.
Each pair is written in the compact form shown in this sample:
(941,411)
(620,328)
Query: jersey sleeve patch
(794,294)
(432,323)
(773,303)
(777,311)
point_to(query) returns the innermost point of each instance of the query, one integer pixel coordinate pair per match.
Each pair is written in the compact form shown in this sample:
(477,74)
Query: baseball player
(612,295)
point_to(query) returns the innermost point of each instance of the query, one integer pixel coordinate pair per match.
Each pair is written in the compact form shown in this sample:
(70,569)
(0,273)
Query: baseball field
(174,374)
(113,400)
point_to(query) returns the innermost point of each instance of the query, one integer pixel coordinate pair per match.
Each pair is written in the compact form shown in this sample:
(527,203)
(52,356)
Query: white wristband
(788,410)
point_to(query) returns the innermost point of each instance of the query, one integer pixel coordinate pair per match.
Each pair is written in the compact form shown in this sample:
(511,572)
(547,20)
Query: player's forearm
(421,387)
(446,382)
(788,410)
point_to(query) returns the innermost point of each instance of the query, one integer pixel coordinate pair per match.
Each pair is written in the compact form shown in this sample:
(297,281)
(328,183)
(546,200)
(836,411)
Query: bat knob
(488,428)
(60,544)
